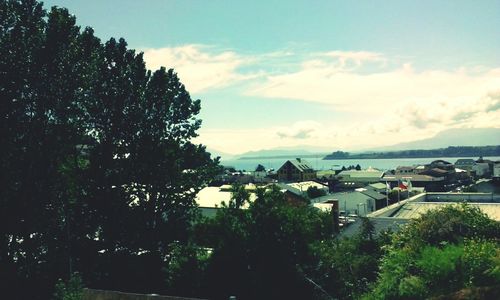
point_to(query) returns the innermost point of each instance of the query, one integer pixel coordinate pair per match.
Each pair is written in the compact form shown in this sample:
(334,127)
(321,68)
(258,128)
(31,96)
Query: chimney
(298,159)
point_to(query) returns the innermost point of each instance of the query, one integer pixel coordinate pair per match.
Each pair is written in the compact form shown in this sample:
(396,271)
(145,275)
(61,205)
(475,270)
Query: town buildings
(351,179)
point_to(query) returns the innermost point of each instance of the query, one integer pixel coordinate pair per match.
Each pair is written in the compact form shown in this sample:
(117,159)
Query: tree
(96,155)
(260,168)
(262,252)
(314,192)
(346,267)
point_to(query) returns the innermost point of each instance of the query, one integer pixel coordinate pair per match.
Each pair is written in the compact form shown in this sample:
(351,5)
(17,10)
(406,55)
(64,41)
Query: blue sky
(324,74)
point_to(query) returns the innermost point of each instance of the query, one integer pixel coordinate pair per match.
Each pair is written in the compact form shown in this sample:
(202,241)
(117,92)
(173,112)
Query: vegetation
(441,252)
(260,168)
(70,290)
(260,252)
(314,192)
(97,167)
(452,151)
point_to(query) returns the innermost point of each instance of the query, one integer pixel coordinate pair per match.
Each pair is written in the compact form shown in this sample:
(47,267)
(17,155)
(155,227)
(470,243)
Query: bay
(319,164)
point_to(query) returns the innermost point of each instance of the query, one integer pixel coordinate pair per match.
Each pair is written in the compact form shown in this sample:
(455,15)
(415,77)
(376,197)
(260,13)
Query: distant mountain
(214,153)
(285,152)
(452,151)
(451,137)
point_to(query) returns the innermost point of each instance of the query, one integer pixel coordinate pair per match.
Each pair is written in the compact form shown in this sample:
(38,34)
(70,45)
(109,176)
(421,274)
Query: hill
(451,137)
(452,151)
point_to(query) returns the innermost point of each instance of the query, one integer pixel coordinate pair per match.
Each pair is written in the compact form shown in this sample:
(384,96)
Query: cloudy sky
(326,74)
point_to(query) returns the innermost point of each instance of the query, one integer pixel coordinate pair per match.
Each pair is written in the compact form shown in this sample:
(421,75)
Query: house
(405,170)
(350,202)
(482,169)
(351,179)
(378,187)
(259,176)
(380,200)
(490,163)
(441,164)
(296,170)
(496,172)
(396,215)
(465,164)
(299,189)
(430,183)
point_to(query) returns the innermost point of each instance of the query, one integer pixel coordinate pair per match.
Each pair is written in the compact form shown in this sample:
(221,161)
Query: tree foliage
(96,153)
(443,251)
(314,192)
(260,168)
(260,252)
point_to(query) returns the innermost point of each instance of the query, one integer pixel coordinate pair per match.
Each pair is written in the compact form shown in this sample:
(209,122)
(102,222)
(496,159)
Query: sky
(322,75)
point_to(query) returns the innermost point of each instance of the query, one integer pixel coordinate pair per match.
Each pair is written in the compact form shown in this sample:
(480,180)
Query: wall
(90,294)
(458,197)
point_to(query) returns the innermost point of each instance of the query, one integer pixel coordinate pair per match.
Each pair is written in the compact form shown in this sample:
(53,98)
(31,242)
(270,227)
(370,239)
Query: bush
(441,252)
(481,262)
(441,268)
(450,224)
(69,290)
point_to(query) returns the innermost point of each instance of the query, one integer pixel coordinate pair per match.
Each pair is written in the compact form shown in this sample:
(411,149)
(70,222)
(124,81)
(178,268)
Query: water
(319,164)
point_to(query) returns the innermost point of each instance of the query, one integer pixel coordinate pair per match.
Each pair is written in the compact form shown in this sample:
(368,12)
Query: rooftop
(412,177)
(213,197)
(378,185)
(413,210)
(301,164)
(465,161)
(303,186)
(362,173)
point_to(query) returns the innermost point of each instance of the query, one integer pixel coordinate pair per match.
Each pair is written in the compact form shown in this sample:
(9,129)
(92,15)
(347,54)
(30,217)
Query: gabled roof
(374,195)
(440,162)
(301,164)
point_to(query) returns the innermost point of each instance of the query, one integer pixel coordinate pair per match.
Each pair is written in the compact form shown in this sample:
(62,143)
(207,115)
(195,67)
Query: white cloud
(199,67)
(382,100)
(300,130)
(393,100)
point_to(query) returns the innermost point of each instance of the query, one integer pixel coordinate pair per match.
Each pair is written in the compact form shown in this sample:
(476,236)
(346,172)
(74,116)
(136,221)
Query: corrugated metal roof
(412,177)
(362,173)
(413,210)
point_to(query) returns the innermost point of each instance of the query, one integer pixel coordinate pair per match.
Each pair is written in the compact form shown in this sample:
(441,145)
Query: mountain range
(450,137)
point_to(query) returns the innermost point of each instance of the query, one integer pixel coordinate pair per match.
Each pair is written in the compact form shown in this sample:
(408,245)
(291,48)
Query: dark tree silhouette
(96,158)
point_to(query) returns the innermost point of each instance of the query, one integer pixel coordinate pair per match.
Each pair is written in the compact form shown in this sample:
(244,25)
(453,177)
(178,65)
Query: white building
(496,170)
(211,198)
(481,169)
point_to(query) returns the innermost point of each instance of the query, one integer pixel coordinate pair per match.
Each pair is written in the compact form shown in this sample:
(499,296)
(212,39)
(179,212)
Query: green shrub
(441,268)
(481,261)
(69,290)
(412,287)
